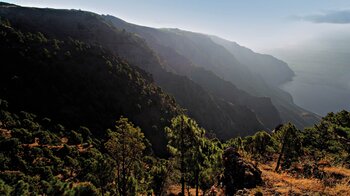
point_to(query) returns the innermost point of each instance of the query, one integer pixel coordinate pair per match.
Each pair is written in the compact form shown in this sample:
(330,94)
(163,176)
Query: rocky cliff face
(226,119)
(258,75)
(274,71)
(181,55)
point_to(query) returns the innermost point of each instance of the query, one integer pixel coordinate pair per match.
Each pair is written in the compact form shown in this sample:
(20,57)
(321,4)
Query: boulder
(239,173)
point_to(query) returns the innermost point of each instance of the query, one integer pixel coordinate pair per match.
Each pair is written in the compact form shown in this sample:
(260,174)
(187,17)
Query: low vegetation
(39,156)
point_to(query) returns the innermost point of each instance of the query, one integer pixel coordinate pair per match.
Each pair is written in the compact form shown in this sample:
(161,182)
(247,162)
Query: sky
(257,24)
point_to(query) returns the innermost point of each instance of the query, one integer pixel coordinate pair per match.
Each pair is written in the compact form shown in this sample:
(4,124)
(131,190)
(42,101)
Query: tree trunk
(124,180)
(182,184)
(197,183)
(182,159)
(102,192)
(182,174)
(124,183)
(279,158)
(282,150)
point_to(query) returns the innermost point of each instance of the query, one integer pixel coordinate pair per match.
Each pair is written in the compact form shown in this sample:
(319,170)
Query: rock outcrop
(239,173)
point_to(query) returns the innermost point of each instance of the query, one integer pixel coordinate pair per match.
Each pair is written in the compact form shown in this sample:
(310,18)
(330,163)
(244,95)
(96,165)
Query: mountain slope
(179,64)
(211,112)
(80,84)
(198,50)
(261,87)
(274,71)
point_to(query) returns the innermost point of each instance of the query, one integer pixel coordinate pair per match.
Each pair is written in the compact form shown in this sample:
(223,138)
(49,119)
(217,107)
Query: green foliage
(263,144)
(85,189)
(126,146)
(211,166)
(77,83)
(291,145)
(35,160)
(330,138)
(195,154)
(260,146)
(159,172)
(4,188)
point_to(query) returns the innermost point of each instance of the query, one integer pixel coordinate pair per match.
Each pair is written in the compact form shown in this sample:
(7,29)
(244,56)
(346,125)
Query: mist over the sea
(322,68)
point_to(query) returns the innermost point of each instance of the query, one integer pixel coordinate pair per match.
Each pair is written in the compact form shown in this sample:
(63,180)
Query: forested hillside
(39,156)
(227,118)
(80,84)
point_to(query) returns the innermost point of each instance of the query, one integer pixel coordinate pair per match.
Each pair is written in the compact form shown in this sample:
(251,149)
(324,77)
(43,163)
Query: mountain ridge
(170,43)
(91,28)
(183,66)
(80,84)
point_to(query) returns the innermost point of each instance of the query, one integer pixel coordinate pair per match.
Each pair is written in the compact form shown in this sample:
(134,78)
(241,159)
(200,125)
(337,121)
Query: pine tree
(291,141)
(185,143)
(126,146)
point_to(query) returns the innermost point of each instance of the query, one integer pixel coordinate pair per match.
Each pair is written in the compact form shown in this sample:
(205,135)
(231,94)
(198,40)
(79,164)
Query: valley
(91,104)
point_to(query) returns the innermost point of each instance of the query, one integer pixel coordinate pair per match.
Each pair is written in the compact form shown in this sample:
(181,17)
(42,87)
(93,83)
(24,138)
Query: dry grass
(338,170)
(339,189)
(75,184)
(81,147)
(175,189)
(5,133)
(286,184)
(342,178)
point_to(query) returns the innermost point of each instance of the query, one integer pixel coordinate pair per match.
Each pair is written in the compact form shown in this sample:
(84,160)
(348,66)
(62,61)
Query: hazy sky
(258,24)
